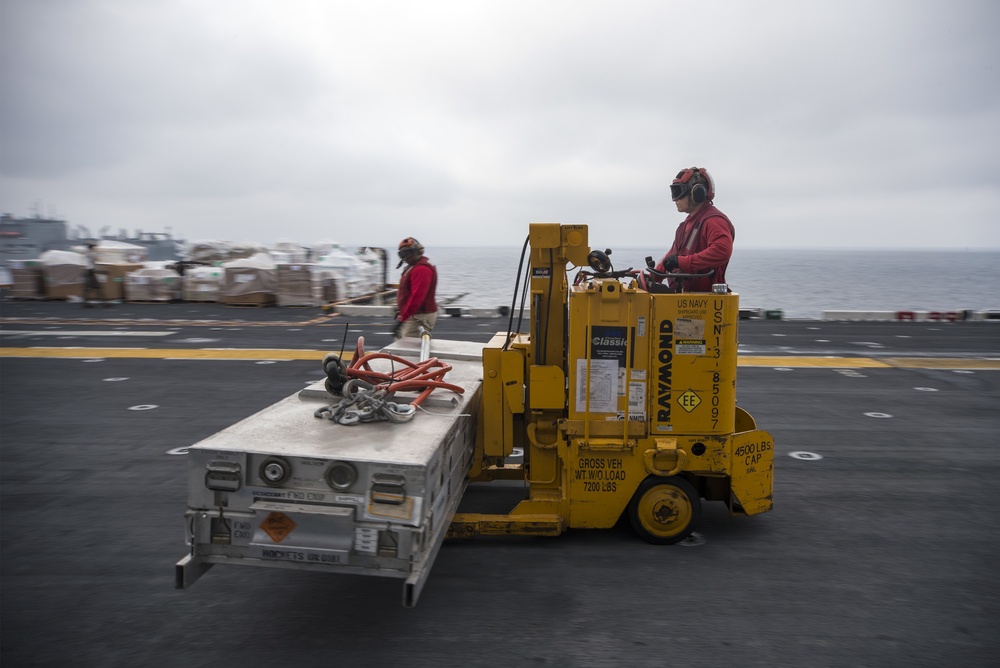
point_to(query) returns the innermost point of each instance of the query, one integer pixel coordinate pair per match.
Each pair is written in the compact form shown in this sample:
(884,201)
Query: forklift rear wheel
(664,510)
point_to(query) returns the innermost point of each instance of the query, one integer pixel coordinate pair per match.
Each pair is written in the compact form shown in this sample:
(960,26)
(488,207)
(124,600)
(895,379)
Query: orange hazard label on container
(278,526)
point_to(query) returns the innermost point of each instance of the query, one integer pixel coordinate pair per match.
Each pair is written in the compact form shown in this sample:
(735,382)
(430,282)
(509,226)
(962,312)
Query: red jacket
(703,241)
(417,286)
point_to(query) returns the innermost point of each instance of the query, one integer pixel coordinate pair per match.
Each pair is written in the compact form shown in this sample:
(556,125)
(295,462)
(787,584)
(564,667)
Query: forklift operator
(704,240)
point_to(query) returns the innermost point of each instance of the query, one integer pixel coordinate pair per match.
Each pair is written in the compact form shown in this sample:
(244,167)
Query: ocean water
(800,283)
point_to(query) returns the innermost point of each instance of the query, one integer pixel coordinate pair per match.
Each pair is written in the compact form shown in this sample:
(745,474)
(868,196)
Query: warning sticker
(690,346)
(689,400)
(636,398)
(636,404)
(690,335)
(278,526)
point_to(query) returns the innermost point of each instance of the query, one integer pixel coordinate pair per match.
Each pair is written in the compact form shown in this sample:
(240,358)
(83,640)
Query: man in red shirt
(417,288)
(704,240)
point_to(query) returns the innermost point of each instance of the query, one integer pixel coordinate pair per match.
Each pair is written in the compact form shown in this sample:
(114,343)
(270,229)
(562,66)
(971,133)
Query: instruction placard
(603,382)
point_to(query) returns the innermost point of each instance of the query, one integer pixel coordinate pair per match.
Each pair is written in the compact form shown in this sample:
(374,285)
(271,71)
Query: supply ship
(28,238)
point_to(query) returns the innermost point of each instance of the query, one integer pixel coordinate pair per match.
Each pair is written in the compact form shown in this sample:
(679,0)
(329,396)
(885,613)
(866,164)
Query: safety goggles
(679,190)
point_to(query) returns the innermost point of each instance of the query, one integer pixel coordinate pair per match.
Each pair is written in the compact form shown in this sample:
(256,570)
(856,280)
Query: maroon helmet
(695,181)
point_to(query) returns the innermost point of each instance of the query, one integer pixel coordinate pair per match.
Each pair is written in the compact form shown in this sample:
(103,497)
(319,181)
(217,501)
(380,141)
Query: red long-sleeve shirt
(417,288)
(711,247)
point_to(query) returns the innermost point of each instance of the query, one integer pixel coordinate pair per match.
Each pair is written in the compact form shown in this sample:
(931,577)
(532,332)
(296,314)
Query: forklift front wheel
(664,510)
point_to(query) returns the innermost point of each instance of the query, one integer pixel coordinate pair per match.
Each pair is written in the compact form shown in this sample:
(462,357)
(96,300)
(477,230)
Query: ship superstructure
(28,238)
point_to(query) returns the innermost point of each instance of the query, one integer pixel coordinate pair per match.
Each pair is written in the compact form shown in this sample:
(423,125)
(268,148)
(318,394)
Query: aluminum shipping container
(286,489)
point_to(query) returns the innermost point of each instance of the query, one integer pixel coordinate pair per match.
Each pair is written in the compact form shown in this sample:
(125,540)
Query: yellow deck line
(170,353)
(942,363)
(869,363)
(316,355)
(823,362)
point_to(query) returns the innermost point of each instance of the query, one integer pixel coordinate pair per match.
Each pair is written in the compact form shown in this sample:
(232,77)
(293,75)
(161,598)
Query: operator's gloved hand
(397,329)
(669,263)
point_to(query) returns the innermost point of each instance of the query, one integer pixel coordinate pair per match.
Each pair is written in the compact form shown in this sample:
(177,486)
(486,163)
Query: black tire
(664,511)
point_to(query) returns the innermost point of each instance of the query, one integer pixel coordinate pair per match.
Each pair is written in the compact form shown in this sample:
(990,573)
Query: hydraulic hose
(513,302)
(363,386)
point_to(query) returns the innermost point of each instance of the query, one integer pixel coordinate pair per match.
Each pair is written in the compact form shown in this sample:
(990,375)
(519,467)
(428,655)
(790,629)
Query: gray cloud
(824,123)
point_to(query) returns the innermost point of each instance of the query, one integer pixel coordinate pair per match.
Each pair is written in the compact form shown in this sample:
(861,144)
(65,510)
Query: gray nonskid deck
(879,550)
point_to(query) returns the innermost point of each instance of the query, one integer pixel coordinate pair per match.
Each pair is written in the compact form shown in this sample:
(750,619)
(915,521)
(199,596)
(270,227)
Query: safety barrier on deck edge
(745,314)
(913,316)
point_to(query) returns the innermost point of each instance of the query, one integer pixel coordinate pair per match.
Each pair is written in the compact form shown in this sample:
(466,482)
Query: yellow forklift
(621,400)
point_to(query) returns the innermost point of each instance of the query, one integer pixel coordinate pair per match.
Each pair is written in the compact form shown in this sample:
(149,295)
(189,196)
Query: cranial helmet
(695,181)
(409,245)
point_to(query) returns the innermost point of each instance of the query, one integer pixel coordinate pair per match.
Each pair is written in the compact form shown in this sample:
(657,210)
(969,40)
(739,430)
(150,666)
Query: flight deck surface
(879,551)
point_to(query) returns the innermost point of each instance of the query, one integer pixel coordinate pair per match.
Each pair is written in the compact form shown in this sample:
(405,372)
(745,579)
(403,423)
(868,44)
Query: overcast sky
(842,123)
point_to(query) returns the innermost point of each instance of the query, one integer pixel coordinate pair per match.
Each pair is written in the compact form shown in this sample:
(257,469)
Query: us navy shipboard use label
(690,337)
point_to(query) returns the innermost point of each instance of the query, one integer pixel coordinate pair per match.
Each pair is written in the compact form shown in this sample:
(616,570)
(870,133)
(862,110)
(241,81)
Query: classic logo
(609,341)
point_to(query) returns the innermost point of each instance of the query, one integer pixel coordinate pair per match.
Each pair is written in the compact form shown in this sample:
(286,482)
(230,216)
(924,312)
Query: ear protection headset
(408,247)
(697,182)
